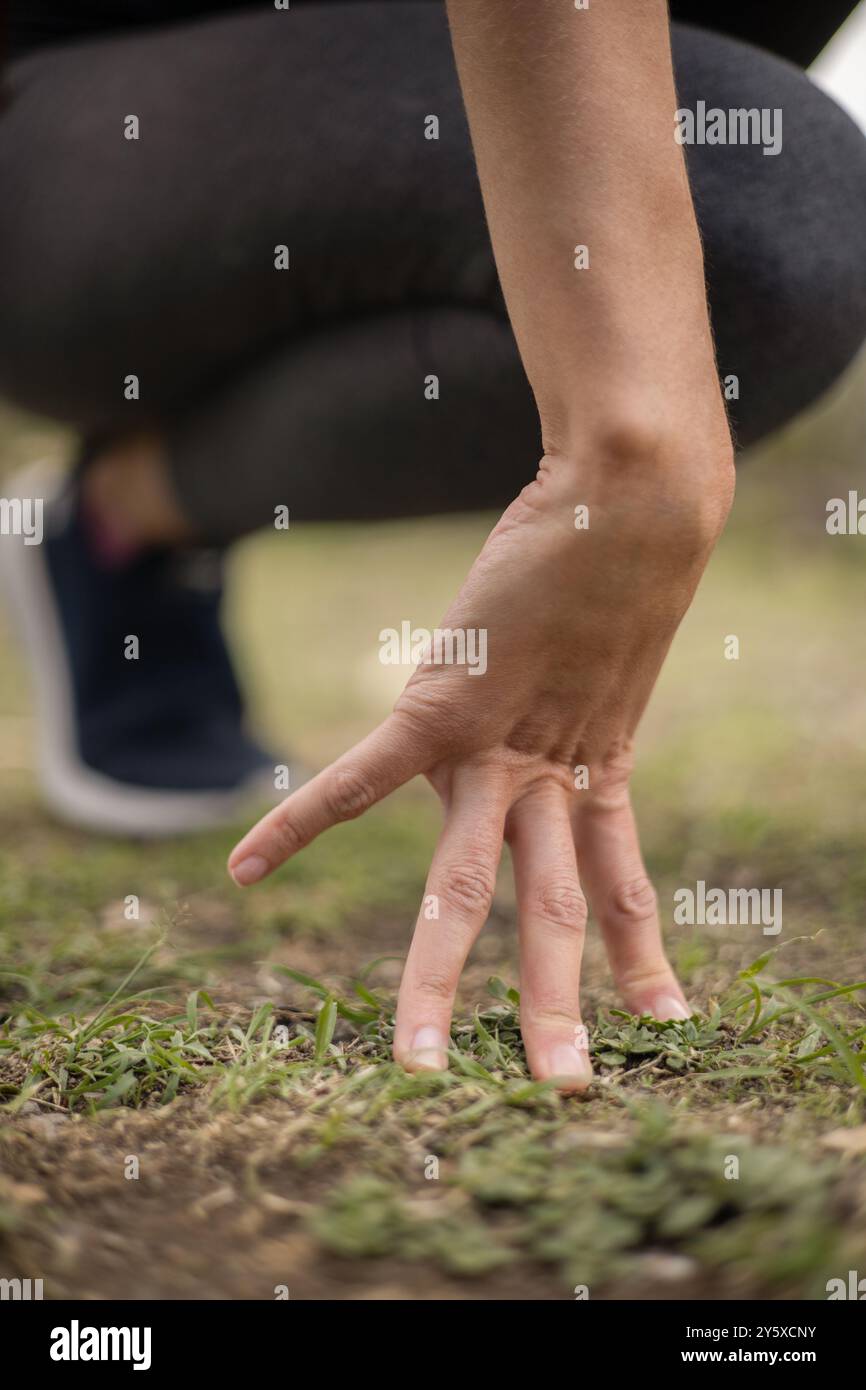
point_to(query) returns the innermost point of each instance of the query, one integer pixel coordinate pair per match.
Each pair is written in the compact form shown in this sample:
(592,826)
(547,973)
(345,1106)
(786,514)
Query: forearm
(572,120)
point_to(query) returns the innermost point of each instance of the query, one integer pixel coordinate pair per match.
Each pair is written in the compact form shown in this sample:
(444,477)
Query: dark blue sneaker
(139,715)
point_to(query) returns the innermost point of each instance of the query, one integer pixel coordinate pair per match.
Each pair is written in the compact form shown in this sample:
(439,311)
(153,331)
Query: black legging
(305,386)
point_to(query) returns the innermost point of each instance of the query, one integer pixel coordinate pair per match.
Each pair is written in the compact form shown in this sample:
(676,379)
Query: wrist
(674,483)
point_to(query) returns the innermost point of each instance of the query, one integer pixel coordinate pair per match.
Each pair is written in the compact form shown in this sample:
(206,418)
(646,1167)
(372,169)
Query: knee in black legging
(784,235)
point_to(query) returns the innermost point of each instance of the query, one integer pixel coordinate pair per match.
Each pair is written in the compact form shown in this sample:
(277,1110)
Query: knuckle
(555,1013)
(616,769)
(287,836)
(633,903)
(618,764)
(468,887)
(420,710)
(432,719)
(563,905)
(651,977)
(437,985)
(610,778)
(349,794)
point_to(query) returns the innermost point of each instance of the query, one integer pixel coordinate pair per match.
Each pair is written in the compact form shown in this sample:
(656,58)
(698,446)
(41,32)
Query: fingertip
(566,1066)
(668,1008)
(425,1061)
(428,1051)
(248,870)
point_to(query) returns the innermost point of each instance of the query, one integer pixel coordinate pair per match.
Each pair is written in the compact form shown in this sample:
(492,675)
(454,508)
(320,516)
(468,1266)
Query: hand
(578,623)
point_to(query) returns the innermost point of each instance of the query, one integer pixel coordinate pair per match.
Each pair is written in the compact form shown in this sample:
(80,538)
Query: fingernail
(666,1007)
(567,1063)
(249,870)
(429,1049)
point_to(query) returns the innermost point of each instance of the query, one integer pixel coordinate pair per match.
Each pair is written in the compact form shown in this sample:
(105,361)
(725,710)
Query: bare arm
(572,120)
(572,116)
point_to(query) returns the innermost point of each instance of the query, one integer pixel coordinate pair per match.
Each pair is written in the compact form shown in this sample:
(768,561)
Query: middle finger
(456,903)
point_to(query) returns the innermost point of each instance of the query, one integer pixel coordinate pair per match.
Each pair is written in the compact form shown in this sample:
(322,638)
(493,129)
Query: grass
(233,1046)
(137,1052)
(609,1188)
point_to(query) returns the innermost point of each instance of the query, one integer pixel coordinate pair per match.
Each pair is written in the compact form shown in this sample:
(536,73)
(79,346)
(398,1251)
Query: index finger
(392,754)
